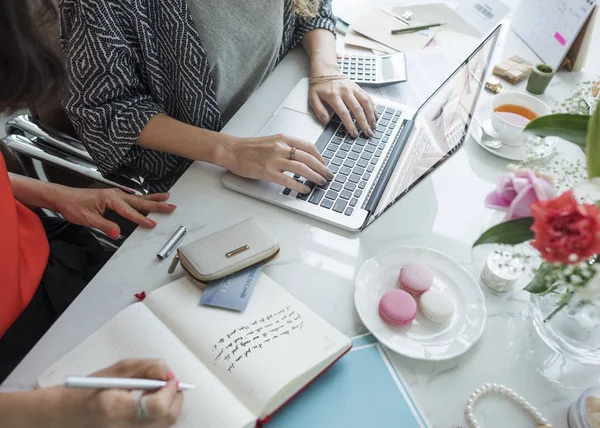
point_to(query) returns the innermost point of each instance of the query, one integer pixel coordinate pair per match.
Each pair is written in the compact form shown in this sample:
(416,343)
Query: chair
(36,147)
(28,139)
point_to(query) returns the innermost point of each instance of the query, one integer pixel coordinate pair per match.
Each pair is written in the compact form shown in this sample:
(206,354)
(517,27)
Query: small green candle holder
(540,78)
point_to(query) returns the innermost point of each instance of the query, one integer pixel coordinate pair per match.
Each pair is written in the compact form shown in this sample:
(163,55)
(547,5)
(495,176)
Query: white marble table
(318,264)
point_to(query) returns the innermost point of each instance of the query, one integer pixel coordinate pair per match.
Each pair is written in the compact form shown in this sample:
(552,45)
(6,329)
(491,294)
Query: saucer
(533,148)
(423,339)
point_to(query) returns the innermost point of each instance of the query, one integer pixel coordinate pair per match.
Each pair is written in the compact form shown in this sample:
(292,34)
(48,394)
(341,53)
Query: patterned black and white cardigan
(128,60)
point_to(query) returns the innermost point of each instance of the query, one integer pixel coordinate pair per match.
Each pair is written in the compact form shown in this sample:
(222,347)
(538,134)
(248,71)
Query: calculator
(374,70)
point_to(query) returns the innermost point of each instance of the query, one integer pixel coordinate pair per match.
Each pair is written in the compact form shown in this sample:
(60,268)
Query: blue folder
(360,390)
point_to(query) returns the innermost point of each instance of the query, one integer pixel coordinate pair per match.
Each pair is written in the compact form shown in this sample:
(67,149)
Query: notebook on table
(245,365)
(378,25)
(361,390)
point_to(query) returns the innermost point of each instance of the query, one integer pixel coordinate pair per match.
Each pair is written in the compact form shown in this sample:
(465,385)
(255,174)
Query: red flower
(564,227)
(140,296)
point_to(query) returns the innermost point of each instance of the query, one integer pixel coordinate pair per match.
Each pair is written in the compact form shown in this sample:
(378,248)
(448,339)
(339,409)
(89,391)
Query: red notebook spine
(261,422)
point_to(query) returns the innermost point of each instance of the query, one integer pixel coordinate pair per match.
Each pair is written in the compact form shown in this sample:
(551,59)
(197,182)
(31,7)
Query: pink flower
(516,192)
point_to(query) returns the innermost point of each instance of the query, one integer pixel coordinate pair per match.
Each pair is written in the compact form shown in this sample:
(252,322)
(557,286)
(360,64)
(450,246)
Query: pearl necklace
(502,390)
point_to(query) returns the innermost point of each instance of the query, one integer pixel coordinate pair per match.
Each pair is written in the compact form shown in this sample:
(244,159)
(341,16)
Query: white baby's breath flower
(514,168)
(587,272)
(592,288)
(588,191)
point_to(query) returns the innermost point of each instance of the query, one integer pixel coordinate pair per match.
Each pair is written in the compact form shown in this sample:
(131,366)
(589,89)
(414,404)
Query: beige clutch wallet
(227,251)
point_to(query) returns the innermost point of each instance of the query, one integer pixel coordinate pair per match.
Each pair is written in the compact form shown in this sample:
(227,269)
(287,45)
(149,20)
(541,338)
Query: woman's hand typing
(267,158)
(343,96)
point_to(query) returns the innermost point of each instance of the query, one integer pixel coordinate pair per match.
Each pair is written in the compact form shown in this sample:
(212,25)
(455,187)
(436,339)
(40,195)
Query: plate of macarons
(420,303)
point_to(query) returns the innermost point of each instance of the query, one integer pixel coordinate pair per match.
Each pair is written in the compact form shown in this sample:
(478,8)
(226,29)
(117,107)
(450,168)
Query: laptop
(372,174)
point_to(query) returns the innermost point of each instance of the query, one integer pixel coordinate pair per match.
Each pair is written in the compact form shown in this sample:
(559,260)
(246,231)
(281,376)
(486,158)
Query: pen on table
(171,243)
(120,383)
(417,28)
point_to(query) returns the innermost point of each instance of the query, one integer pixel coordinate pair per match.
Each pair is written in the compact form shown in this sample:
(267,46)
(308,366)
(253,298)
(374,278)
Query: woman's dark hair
(31,69)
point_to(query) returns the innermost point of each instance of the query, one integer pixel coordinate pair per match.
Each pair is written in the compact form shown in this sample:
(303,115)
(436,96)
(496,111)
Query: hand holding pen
(123,408)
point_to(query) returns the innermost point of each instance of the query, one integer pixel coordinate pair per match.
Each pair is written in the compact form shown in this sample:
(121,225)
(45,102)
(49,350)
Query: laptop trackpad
(295,124)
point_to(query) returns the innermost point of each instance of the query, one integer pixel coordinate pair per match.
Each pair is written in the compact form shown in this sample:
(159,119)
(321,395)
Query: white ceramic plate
(423,339)
(533,148)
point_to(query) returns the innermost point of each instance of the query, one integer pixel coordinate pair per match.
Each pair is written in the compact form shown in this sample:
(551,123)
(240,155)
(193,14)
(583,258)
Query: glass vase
(573,331)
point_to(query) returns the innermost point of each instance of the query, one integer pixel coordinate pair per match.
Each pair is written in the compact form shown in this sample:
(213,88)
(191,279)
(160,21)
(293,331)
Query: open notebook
(245,365)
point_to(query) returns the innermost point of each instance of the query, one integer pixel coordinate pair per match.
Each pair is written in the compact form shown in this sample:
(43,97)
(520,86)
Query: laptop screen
(439,127)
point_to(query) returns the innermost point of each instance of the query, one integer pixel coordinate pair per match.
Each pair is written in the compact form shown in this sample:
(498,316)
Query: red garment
(24,253)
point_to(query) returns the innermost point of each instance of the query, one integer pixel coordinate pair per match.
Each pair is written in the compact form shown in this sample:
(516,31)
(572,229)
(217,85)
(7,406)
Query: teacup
(511,112)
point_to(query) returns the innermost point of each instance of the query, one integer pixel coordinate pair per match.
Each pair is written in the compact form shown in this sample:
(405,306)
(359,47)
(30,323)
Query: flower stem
(554,312)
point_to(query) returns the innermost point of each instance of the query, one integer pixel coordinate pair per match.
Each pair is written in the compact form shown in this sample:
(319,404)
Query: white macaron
(436,305)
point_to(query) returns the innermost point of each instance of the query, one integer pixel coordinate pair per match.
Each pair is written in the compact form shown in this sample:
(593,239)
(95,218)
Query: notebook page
(137,333)
(257,353)
(378,25)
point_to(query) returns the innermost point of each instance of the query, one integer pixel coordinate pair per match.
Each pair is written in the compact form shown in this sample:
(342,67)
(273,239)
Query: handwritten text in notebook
(248,340)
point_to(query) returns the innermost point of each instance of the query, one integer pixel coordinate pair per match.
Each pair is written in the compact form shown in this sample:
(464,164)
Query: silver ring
(292,153)
(141,406)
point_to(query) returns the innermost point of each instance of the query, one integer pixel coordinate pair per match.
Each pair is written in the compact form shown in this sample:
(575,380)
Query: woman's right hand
(116,408)
(267,158)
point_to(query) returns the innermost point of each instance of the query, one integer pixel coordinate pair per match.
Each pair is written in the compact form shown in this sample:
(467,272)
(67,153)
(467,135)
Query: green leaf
(512,232)
(540,283)
(593,145)
(571,127)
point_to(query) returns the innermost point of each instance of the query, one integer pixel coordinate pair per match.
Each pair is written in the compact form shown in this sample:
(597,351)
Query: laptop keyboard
(352,161)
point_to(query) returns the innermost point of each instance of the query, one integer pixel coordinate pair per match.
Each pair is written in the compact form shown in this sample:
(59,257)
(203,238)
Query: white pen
(120,383)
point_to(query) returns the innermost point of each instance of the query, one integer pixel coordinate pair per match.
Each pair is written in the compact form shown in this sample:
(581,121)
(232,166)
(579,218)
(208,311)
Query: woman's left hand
(86,207)
(344,96)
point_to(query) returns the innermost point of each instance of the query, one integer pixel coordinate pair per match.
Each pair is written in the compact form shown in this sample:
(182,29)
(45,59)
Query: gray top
(162,68)
(242,40)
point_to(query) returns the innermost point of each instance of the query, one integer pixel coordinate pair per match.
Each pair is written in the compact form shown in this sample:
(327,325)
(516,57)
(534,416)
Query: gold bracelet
(326,75)
(327,78)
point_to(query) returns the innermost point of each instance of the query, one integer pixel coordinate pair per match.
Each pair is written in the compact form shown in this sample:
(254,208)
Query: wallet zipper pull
(174,263)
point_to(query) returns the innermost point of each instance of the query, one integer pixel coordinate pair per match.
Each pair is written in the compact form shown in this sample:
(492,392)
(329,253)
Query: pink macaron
(397,307)
(416,278)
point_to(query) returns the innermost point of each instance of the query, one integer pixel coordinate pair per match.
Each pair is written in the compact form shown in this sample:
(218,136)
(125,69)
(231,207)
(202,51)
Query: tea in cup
(511,112)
